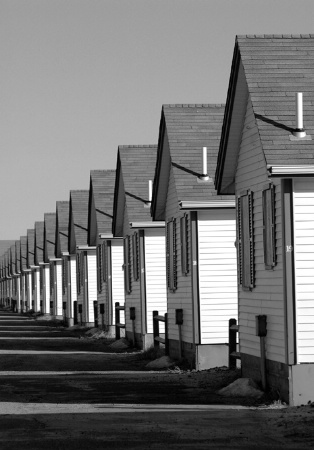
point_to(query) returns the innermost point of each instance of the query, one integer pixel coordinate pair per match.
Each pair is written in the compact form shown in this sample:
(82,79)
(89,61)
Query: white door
(217,265)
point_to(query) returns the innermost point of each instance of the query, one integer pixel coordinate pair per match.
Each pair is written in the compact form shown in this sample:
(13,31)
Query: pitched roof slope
(102,184)
(39,242)
(18,256)
(5,245)
(49,236)
(136,166)
(190,128)
(23,241)
(13,259)
(62,227)
(79,213)
(30,247)
(275,67)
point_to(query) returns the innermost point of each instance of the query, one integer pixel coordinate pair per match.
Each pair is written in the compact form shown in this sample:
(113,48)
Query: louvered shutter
(104,261)
(269,238)
(82,267)
(184,244)
(78,273)
(33,281)
(41,278)
(135,239)
(51,271)
(239,239)
(246,241)
(171,256)
(99,268)
(127,264)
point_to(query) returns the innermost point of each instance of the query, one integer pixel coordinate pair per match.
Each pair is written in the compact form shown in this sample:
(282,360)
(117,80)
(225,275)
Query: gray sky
(80,77)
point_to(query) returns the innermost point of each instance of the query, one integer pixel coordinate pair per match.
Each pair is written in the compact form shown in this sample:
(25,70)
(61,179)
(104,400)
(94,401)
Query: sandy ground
(66,392)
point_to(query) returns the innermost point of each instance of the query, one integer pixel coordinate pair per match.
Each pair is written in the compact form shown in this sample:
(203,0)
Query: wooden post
(180,342)
(263,362)
(155,328)
(117,320)
(166,335)
(232,344)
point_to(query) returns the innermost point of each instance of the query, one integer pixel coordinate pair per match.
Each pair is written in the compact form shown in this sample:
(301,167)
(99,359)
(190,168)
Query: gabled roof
(18,256)
(184,131)
(5,245)
(135,167)
(30,248)
(100,208)
(23,260)
(78,219)
(39,242)
(49,236)
(62,227)
(13,259)
(269,70)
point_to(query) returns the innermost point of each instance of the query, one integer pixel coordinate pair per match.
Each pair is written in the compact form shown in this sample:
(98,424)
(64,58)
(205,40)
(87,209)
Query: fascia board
(193,206)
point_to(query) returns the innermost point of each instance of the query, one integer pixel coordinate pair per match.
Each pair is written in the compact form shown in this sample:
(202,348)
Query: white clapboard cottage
(52,269)
(4,246)
(62,253)
(14,277)
(25,276)
(201,256)
(85,292)
(109,249)
(144,241)
(266,160)
(31,266)
(39,262)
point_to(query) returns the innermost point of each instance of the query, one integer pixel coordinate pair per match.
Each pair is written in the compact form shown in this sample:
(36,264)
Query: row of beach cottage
(214,222)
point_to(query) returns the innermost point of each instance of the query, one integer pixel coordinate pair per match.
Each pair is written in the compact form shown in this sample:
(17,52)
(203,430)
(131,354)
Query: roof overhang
(86,247)
(157,224)
(109,236)
(193,206)
(65,253)
(54,259)
(290,171)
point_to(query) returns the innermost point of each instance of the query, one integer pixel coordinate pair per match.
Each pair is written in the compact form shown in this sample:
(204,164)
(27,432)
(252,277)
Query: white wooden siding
(217,267)
(72,290)
(182,298)
(37,290)
(46,299)
(58,288)
(303,206)
(92,283)
(267,297)
(155,271)
(117,278)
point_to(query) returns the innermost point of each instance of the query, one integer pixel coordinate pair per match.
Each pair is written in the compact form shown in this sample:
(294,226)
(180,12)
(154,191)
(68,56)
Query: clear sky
(80,77)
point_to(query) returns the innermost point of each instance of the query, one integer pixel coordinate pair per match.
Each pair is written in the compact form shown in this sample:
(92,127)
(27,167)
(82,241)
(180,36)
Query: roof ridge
(275,36)
(193,105)
(138,146)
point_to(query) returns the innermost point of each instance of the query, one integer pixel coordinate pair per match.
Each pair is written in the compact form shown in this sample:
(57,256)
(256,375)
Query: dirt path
(60,391)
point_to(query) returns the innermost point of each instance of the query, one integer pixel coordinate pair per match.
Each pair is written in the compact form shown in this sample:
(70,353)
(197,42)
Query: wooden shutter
(82,268)
(171,255)
(184,244)
(33,280)
(127,264)
(41,278)
(136,259)
(51,271)
(269,238)
(64,276)
(99,268)
(78,273)
(246,241)
(104,261)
